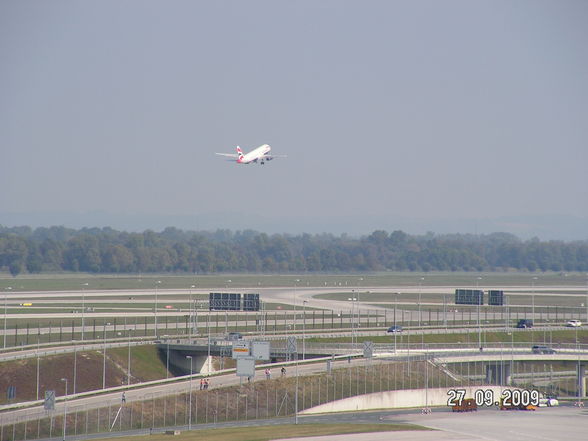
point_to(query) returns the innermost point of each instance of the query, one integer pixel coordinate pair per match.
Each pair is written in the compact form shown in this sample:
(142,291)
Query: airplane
(259,155)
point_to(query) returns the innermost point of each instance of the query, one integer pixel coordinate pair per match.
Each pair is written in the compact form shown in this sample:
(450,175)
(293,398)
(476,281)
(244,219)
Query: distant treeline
(105,250)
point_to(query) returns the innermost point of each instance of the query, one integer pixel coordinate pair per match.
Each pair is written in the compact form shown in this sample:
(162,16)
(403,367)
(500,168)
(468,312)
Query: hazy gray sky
(457,116)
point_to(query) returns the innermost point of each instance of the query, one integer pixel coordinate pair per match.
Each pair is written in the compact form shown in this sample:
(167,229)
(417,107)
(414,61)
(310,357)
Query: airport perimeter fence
(262,399)
(22,333)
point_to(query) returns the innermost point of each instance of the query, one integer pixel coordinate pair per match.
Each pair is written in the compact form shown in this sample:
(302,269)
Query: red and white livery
(259,155)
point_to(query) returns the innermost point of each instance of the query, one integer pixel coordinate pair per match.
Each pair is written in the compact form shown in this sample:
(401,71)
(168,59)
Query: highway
(158,388)
(339,314)
(122,311)
(44,349)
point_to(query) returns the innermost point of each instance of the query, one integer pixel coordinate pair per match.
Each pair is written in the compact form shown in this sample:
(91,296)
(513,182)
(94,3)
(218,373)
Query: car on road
(573,323)
(548,401)
(524,323)
(232,336)
(394,329)
(542,349)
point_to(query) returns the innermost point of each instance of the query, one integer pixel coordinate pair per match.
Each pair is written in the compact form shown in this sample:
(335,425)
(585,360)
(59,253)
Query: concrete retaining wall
(398,399)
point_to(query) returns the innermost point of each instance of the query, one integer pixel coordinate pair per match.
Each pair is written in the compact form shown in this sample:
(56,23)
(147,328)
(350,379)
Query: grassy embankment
(146,365)
(266,433)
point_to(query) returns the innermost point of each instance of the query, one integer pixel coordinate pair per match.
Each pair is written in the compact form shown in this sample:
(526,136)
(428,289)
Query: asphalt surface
(548,423)
(564,423)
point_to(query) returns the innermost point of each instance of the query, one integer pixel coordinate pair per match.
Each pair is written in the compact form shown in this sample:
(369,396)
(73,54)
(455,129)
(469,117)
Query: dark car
(541,349)
(394,328)
(524,323)
(234,336)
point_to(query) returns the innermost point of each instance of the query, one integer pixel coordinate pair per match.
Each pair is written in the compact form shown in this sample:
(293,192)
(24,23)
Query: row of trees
(106,250)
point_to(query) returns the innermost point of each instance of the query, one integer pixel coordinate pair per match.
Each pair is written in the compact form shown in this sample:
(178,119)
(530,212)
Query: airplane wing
(230,155)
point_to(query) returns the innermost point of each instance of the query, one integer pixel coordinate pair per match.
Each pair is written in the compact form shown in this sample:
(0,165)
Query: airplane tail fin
(239,152)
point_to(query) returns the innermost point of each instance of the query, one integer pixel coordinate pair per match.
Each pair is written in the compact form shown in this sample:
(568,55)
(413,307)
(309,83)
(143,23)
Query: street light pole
(395,303)
(420,291)
(358,310)
(352,300)
(155,309)
(5,312)
(294,324)
(533,299)
(5,319)
(64,408)
(304,329)
(75,372)
(129,359)
(208,356)
(38,362)
(511,355)
(167,356)
(296,395)
(189,357)
(445,311)
(479,324)
(104,359)
(83,306)
(192,313)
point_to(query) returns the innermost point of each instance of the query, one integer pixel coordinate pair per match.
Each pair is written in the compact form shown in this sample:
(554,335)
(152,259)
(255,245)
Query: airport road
(32,351)
(290,295)
(379,313)
(296,297)
(564,423)
(299,297)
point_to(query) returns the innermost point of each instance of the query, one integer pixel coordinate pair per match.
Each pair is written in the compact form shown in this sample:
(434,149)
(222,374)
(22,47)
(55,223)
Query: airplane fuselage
(258,154)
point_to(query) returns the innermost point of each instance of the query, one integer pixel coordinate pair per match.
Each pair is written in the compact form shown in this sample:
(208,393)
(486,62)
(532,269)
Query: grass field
(77,281)
(264,433)
(284,431)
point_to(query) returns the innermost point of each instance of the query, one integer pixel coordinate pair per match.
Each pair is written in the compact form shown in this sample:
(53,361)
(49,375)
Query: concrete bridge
(497,359)
(173,352)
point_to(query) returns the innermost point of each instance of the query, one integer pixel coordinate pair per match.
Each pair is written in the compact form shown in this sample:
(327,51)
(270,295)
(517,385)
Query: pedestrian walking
(201,383)
(268,374)
(283,371)
(124,398)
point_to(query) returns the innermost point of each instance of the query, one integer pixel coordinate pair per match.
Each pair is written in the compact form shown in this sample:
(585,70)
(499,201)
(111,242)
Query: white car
(548,402)
(573,323)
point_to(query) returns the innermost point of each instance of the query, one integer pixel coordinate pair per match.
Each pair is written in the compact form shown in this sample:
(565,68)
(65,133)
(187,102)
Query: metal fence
(276,397)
